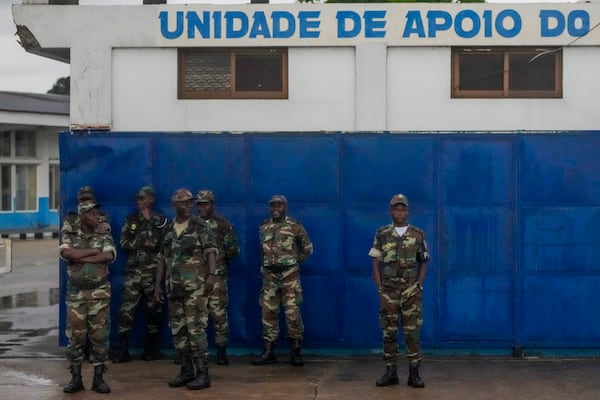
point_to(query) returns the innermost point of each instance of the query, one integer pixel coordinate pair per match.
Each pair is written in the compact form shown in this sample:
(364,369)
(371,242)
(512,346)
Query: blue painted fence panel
(511,222)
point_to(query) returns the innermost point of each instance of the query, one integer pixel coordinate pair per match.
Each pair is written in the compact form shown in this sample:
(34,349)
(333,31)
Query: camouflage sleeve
(230,243)
(305,246)
(108,245)
(69,222)
(208,240)
(423,252)
(66,242)
(375,251)
(165,241)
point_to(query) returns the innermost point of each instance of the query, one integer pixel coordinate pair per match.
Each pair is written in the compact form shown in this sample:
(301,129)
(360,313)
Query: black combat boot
(267,356)
(295,356)
(389,378)
(186,373)
(414,379)
(151,350)
(76,384)
(98,384)
(202,380)
(222,355)
(122,354)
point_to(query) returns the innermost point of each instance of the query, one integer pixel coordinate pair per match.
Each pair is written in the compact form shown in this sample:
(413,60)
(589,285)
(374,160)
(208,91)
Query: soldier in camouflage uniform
(227,243)
(71,220)
(401,250)
(141,237)
(285,244)
(187,262)
(88,252)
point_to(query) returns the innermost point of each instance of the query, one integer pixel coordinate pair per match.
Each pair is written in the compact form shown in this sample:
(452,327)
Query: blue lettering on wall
(281,24)
(348,24)
(260,26)
(201,25)
(580,17)
(516,23)
(230,21)
(309,24)
(466,24)
(164,25)
(553,23)
(278,31)
(475,24)
(414,24)
(438,21)
(374,24)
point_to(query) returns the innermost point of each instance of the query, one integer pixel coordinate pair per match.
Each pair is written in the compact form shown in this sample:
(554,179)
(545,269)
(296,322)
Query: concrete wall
(124,71)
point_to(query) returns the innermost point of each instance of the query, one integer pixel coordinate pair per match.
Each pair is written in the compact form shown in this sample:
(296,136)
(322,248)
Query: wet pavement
(32,366)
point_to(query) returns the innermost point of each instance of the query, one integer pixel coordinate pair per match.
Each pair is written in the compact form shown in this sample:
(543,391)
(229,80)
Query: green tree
(61,86)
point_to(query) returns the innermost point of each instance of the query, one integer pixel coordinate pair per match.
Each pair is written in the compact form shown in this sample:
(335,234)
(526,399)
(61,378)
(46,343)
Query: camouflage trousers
(218,302)
(188,318)
(285,289)
(401,302)
(88,317)
(138,285)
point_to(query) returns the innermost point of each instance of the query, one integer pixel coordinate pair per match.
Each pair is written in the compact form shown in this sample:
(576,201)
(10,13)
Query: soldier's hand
(158,295)
(104,227)
(210,283)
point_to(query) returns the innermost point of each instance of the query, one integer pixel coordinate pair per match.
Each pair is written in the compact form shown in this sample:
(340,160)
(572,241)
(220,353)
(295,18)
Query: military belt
(86,285)
(277,268)
(391,272)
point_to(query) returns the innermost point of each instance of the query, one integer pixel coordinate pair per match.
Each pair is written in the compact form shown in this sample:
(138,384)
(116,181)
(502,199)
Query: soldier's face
(205,209)
(399,214)
(278,210)
(91,219)
(183,209)
(144,202)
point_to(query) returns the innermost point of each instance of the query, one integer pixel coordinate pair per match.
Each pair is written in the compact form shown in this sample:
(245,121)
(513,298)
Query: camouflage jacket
(405,251)
(227,241)
(185,256)
(71,222)
(284,243)
(136,230)
(87,275)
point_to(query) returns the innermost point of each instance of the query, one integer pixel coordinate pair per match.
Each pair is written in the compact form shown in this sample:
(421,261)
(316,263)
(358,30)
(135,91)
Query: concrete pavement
(32,366)
(320,378)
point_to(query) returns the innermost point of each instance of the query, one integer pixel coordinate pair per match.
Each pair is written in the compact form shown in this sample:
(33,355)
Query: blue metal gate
(511,220)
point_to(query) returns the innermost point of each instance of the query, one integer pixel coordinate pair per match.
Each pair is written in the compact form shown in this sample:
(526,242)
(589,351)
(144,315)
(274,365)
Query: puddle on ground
(39,298)
(14,377)
(29,324)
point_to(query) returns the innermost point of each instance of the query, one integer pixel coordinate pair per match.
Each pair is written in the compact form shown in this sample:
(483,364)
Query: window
(18,170)
(510,72)
(26,184)
(6,181)
(237,73)
(54,180)
(24,144)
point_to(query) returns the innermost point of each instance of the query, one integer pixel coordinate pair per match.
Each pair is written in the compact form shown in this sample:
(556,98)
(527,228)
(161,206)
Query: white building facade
(29,161)
(350,67)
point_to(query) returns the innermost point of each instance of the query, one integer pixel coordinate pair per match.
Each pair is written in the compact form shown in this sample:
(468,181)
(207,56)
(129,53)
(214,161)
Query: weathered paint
(511,221)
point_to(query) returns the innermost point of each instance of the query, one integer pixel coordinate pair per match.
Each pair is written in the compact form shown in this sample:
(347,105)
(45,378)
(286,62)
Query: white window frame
(13,162)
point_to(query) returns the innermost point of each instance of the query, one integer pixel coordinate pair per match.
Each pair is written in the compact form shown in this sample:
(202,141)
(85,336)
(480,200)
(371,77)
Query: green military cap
(181,195)
(146,191)
(399,199)
(205,196)
(278,198)
(85,193)
(86,206)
